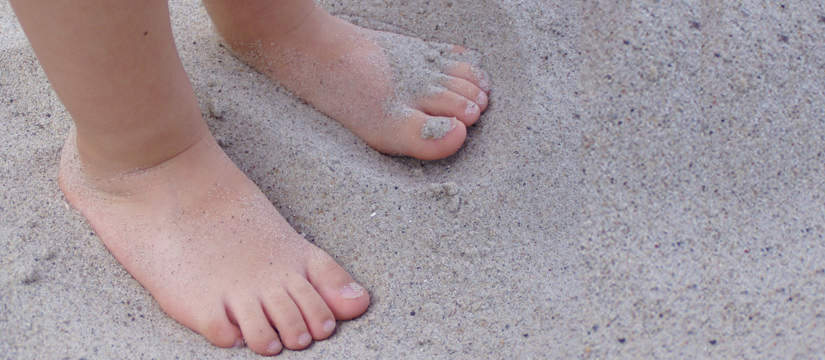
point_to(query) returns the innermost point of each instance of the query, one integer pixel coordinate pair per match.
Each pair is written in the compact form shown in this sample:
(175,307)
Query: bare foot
(401,95)
(213,251)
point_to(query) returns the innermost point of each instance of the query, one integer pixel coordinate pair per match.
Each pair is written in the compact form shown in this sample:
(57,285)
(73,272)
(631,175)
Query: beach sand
(647,182)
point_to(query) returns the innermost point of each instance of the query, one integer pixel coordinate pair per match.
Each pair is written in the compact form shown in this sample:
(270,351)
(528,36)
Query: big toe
(429,137)
(345,297)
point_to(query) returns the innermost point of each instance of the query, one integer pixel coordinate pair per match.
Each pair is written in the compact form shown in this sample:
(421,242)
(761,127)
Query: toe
(286,317)
(317,315)
(458,53)
(470,73)
(449,104)
(341,293)
(458,49)
(216,328)
(255,327)
(433,138)
(468,90)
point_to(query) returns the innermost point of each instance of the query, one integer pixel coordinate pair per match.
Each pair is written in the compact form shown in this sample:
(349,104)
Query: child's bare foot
(399,94)
(213,251)
(190,226)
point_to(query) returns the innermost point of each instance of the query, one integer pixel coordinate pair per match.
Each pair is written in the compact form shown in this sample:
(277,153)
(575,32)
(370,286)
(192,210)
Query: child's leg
(401,95)
(161,194)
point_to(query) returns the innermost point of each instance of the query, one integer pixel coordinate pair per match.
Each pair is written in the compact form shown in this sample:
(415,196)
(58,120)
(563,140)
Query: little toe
(341,293)
(255,327)
(459,53)
(457,49)
(446,48)
(449,104)
(465,55)
(470,73)
(287,319)
(317,315)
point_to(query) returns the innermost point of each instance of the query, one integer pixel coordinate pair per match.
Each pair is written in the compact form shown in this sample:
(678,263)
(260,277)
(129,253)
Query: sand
(437,127)
(647,182)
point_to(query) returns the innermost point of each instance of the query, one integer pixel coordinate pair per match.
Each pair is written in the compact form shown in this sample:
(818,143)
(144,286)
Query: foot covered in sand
(401,95)
(213,251)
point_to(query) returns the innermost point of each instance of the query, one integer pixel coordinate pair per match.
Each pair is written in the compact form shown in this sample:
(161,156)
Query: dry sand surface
(647,182)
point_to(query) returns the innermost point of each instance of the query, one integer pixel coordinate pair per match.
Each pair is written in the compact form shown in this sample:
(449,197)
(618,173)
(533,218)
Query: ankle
(127,155)
(246,27)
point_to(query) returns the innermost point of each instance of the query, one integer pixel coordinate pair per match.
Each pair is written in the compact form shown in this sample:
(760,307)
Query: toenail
(239,343)
(437,127)
(274,347)
(481,99)
(304,339)
(352,291)
(329,325)
(471,108)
